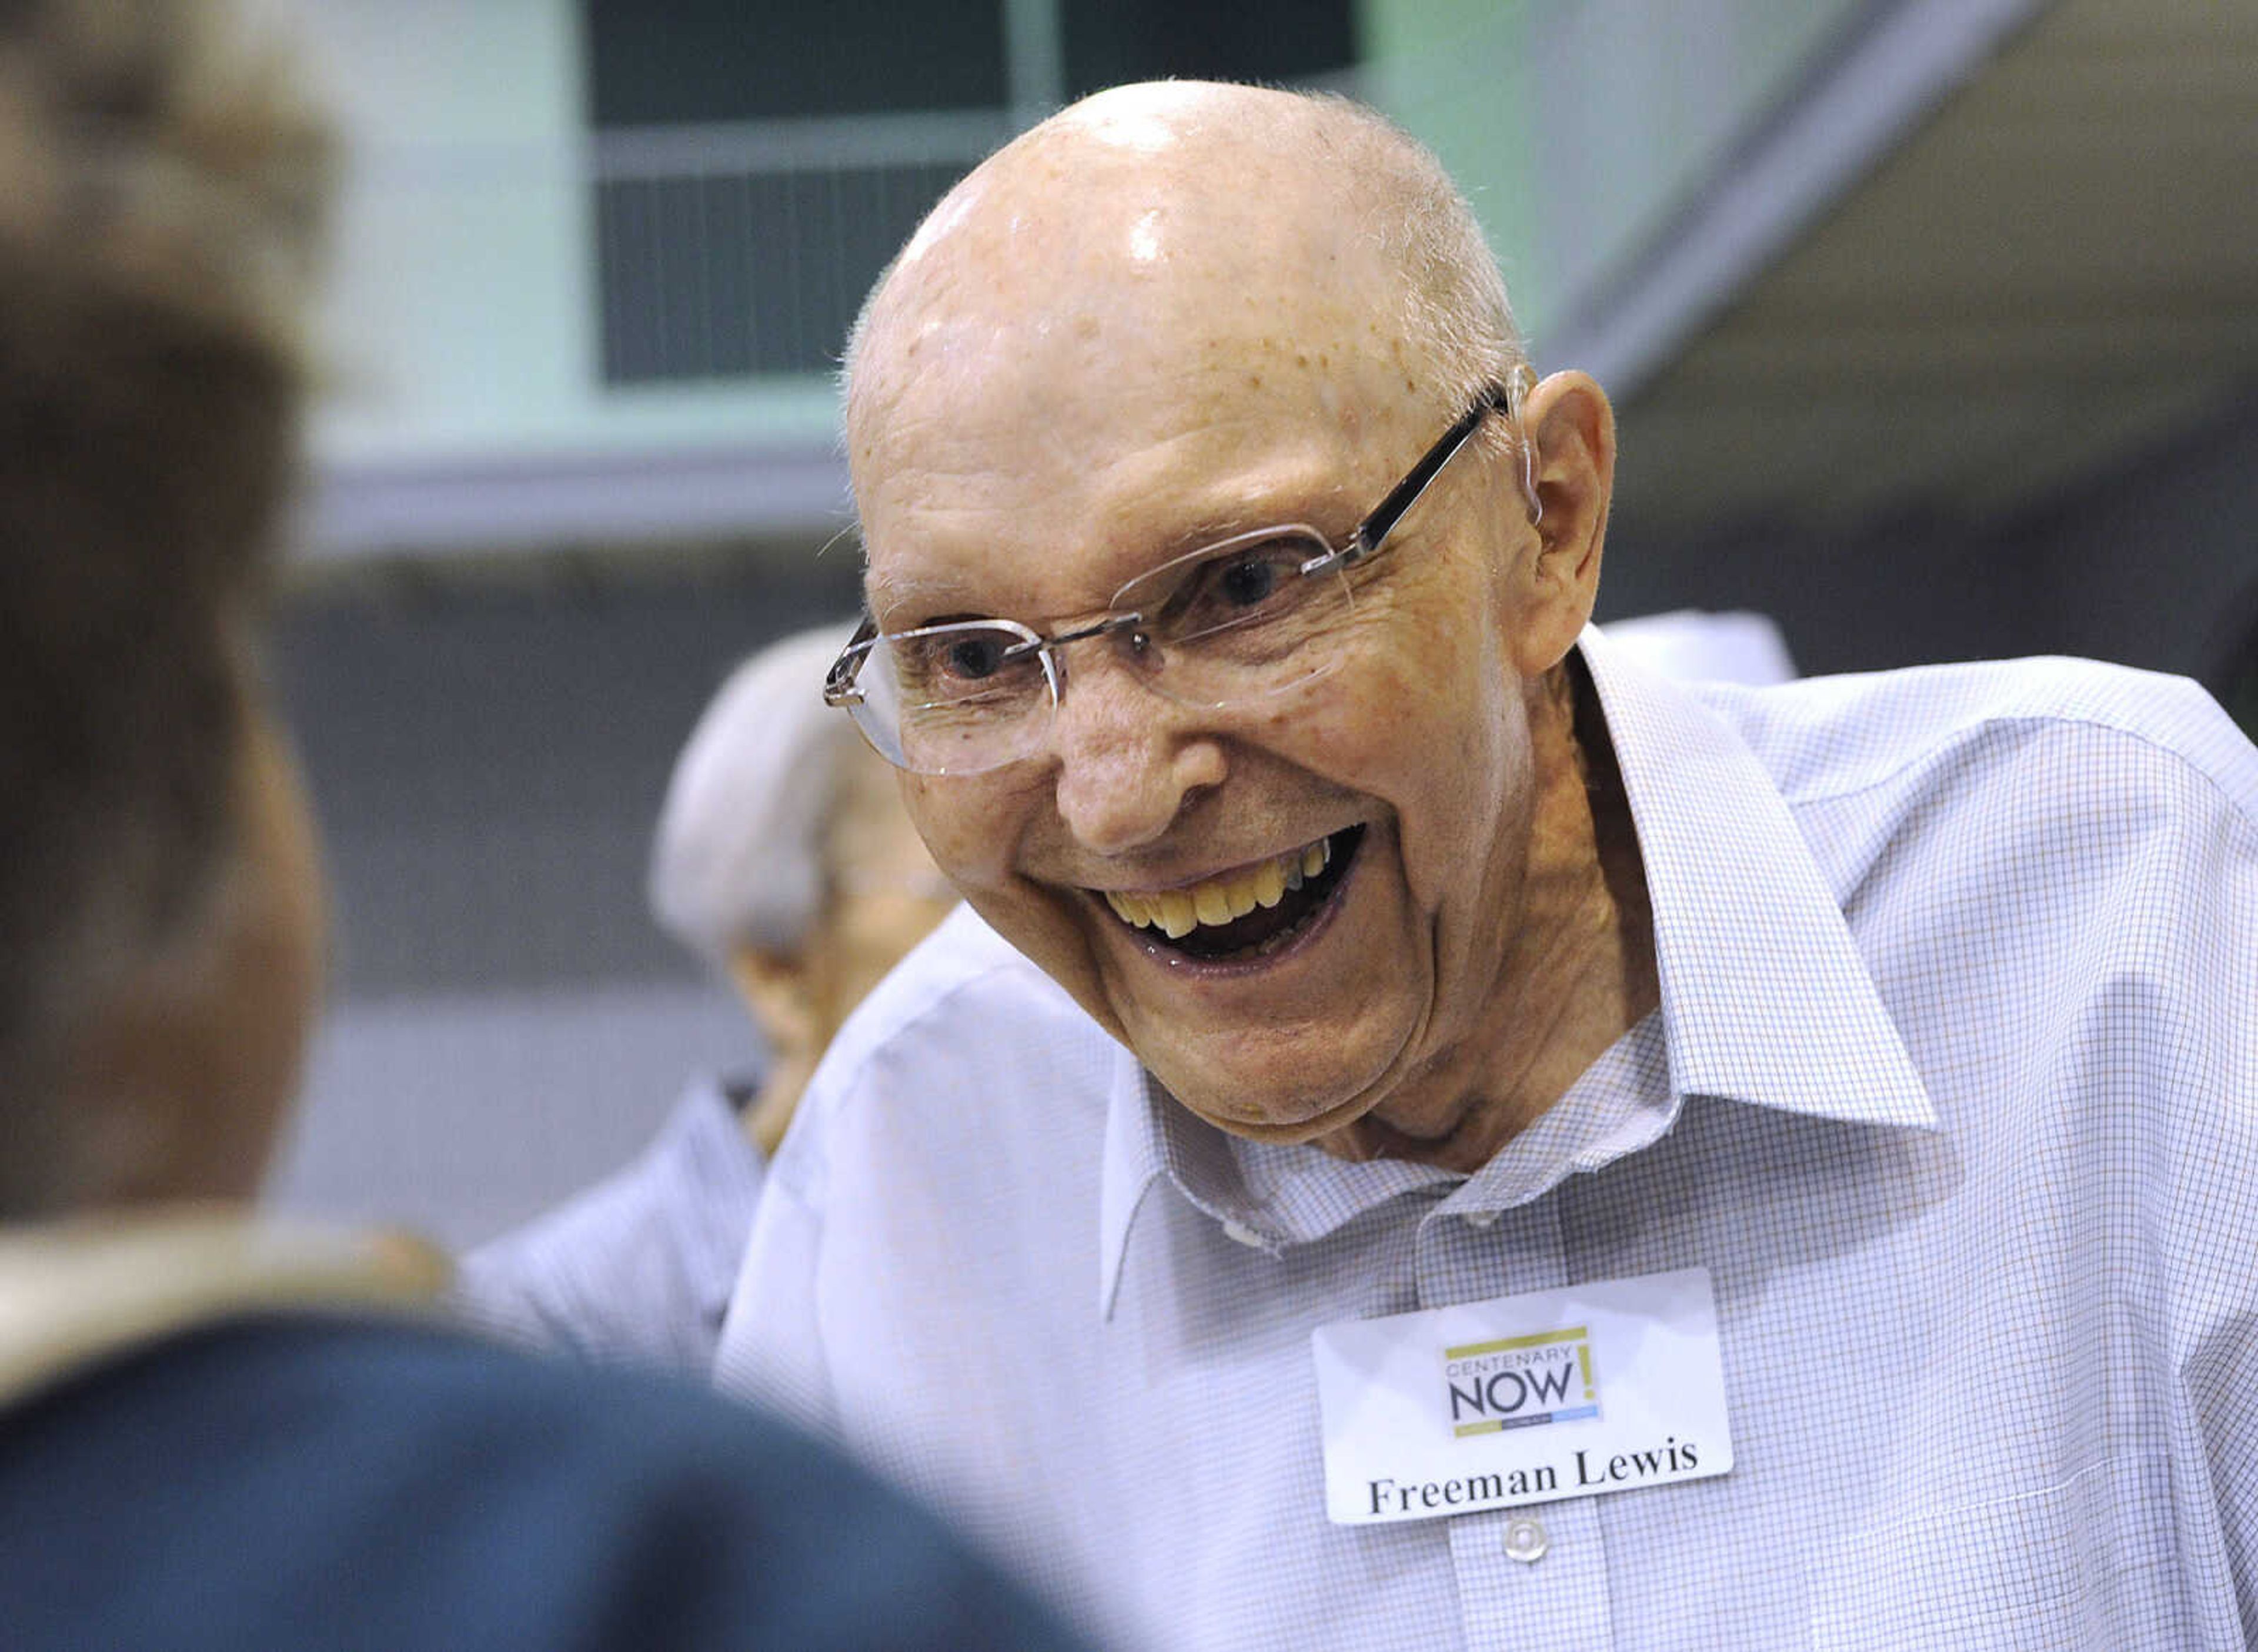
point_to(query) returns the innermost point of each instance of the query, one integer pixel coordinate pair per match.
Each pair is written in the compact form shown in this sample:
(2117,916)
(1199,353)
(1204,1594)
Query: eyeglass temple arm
(839,687)
(1374,529)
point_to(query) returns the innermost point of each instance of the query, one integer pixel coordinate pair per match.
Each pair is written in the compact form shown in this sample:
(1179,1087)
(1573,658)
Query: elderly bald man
(1431,1136)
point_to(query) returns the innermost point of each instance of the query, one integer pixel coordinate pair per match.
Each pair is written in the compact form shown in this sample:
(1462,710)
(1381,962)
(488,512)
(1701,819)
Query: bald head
(1183,229)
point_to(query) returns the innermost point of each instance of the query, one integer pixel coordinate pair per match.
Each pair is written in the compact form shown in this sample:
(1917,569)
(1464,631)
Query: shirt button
(1525,1540)
(1481,1218)
(1243,1234)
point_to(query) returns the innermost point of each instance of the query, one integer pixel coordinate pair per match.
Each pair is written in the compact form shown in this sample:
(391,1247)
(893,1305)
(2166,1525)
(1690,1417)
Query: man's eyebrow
(1318,498)
(1328,516)
(935,598)
(886,598)
(1208,530)
(1321,503)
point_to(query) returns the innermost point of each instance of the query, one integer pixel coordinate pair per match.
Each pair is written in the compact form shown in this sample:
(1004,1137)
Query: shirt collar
(1765,1001)
(1130,1165)
(1266,1197)
(1764,997)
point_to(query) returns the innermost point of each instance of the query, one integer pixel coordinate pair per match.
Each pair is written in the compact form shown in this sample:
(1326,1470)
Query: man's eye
(970,659)
(1245,581)
(1245,585)
(955,667)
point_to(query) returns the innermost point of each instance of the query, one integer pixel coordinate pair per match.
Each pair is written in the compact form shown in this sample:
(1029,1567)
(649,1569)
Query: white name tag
(1572,1392)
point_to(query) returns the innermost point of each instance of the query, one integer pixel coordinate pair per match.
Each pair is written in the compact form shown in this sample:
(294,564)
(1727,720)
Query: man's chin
(1212,1069)
(1286,1120)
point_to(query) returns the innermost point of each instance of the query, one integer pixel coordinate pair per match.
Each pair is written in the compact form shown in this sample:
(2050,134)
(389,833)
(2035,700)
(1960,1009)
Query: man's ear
(1571,429)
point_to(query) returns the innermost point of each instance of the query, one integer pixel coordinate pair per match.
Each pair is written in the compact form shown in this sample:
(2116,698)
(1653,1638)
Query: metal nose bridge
(1111,625)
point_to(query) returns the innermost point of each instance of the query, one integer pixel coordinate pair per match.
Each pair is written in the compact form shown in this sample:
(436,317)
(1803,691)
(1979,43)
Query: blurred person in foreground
(215,1433)
(1429,1134)
(783,857)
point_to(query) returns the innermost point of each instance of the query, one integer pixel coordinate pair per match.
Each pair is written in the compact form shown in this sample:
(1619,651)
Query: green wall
(1580,128)
(461,322)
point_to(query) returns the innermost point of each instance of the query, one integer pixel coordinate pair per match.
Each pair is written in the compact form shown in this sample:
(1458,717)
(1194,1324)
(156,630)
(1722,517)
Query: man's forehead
(1149,227)
(1184,148)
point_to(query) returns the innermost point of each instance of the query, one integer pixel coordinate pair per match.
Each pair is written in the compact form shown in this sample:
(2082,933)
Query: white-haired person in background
(783,857)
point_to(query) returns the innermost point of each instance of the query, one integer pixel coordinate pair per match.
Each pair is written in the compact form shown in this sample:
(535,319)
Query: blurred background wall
(1933,327)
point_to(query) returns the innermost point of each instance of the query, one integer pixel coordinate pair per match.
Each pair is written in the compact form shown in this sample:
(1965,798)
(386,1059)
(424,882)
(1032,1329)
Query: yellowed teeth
(1216,901)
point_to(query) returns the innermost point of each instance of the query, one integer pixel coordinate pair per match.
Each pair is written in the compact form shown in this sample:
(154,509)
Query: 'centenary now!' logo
(1521,1382)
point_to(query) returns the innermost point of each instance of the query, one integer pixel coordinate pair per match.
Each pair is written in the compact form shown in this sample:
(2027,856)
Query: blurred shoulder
(552,1505)
(961,979)
(965,1026)
(637,1266)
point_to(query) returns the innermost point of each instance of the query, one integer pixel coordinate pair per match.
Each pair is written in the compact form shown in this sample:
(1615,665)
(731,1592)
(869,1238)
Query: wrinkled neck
(1577,973)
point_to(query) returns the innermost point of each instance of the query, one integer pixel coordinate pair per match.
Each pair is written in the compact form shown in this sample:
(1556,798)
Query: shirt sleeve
(2199,1002)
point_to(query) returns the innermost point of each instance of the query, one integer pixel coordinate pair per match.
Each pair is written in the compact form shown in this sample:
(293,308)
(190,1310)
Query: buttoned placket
(1536,1575)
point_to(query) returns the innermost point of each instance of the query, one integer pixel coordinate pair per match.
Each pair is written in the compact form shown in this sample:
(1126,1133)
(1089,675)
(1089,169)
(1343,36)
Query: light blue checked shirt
(1953,1089)
(635,1270)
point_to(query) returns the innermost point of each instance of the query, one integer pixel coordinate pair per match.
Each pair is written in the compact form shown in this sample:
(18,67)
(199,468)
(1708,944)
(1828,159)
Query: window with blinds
(753,168)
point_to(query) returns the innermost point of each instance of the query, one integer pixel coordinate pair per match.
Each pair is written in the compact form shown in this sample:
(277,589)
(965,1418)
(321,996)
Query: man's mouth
(1247,913)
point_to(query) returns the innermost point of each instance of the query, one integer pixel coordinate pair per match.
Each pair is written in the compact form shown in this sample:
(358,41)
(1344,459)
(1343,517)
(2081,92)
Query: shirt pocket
(2089,1564)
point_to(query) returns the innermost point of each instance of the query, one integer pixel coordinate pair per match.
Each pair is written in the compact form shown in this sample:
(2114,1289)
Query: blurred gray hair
(739,857)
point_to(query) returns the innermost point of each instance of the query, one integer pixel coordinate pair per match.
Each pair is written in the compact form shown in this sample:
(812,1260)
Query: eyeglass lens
(1222,625)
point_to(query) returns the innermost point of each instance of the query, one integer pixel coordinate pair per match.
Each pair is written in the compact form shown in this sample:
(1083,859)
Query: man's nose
(1129,759)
